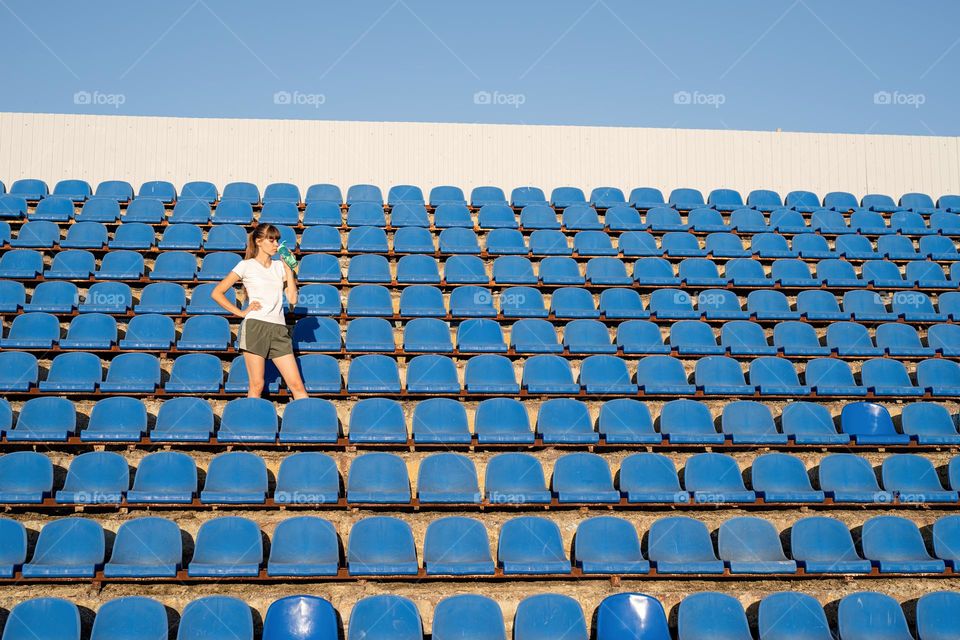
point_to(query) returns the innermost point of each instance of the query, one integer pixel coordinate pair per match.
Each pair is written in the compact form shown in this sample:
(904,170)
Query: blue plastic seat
(680,244)
(12,296)
(468,616)
(117,419)
(812,246)
(726,245)
(515,478)
(149,331)
(320,374)
(232,211)
(851,339)
(856,247)
(385,616)
(773,305)
(740,337)
(715,477)
(549,242)
(322,213)
(581,217)
(937,248)
(564,420)
(638,244)
(53,297)
(164,477)
(914,306)
(707,220)
(416,269)
(67,548)
(204,333)
(465,270)
(183,419)
(367,239)
(871,615)
(446,194)
(483,336)
(651,477)
(502,420)
(693,337)
(539,216)
(901,340)
(654,271)
(427,334)
(778,477)
(770,245)
(774,376)
(53,209)
(76,190)
(452,215)
(365,300)
(228,546)
(752,545)
(377,420)
(620,302)
(369,268)
(188,213)
(248,420)
(145,548)
(217,265)
(672,304)
(665,219)
(608,545)
(514,270)
(607,271)
(373,374)
(132,373)
(281,191)
(243,191)
(583,477)
(789,272)
(219,617)
(440,420)
(623,218)
(531,545)
(548,374)
(522,302)
(849,478)
(237,477)
(789,614)
(935,614)
(720,375)
(929,423)
(381,545)
(572,302)
(688,421)
(678,545)
(304,546)
(641,336)
(914,479)
(85,235)
(43,618)
(496,216)
(824,545)
(433,374)
(788,221)
(35,330)
(710,615)
(549,616)
(460,240)
(562,197)
(143,211)
(447,478)
(881,273)
(369,334)
(74,264)
(885,377)
(174,265)
(825,221)
(663,375)
(832,377)
(750,422)
(199,190)
(25,477)
(46,418)
(323,193)
(119,190)
(523,196)
(607,197)
(585,336)
(379,478)
(700,272)
(319,238)
(798,339)
(627,421)
(413,240)
(130,616)
(195,373)
(471,302)
(593,243)
(646,197)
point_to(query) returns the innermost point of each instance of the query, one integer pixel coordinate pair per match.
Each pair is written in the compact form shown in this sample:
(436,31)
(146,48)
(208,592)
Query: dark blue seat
(929,423)
(851,339)
(324,300)
(228,546)
(12,296)
(752,545)
(164,477)
(770,245)
(490,374)
(121,265)
(422,301)
(237,477)
(515,478)
(144,211)
(609,545)
(870,615)
(564,420)
(773,305)
(248,420)
(183,419)
(502,420)
(304,546)
(593,243)
(66,548)
(75,264)
(791,272)
(25,477)
(426,334)
(914,479)
(46,418)
(663,375)
(180,235)
(522,302)
(85,235)
(232,211)
(616,303)
(310,420)
(849,478)
(726,245)
(319,238)
(688,421)
(385,616)
(447,478)
(43,618)
(626,421)
(583,477)
(217,265)
(216,617)
(531,545)
(664,219)
(854,246)
(377,420)
(117,419)
(700,272)
(587,336)
(145,548)
(440,420)
(778,477)
(623,614)
(381,545)
(607,271)
(870,423)
(119,190)
(750,422)
(205,333)
(378,478)
(678,545)
(823,545)
(715,477)
(548,374)
(276,212)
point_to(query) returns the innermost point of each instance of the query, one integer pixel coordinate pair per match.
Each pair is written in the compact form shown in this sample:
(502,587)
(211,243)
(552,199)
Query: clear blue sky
(878,66)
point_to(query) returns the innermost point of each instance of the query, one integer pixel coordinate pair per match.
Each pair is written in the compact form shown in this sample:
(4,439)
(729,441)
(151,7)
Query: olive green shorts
(266,339)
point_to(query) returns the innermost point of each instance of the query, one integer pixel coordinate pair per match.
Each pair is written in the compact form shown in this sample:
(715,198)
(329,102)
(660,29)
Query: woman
(264,333)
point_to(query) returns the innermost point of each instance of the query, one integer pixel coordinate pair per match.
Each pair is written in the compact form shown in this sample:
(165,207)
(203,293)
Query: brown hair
(259,232)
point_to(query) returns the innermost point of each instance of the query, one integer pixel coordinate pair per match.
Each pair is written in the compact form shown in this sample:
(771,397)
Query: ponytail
(258,232)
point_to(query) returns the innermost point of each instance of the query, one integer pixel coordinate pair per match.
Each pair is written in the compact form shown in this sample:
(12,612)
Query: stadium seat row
(417,301)
(231,547)
(700,616)
(103,477)
(600,375)
(496,420)
(97,331)
(724,199)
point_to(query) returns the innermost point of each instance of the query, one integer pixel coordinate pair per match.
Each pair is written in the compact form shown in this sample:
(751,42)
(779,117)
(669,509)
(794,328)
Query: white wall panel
(57,146)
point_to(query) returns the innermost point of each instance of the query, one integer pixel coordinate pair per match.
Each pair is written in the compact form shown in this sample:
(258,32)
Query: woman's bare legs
(255,368)
(287,365)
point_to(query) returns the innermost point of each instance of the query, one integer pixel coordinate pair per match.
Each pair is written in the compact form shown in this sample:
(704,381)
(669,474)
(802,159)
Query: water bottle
(287,257)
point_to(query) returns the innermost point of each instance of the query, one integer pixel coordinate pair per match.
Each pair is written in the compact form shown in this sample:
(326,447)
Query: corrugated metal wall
(136,148)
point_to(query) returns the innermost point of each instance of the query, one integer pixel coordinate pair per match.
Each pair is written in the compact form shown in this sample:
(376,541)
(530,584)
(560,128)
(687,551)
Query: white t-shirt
(265,285)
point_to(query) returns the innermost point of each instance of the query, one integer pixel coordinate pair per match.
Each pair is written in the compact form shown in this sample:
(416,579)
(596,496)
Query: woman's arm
(218,296)
(291,287)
